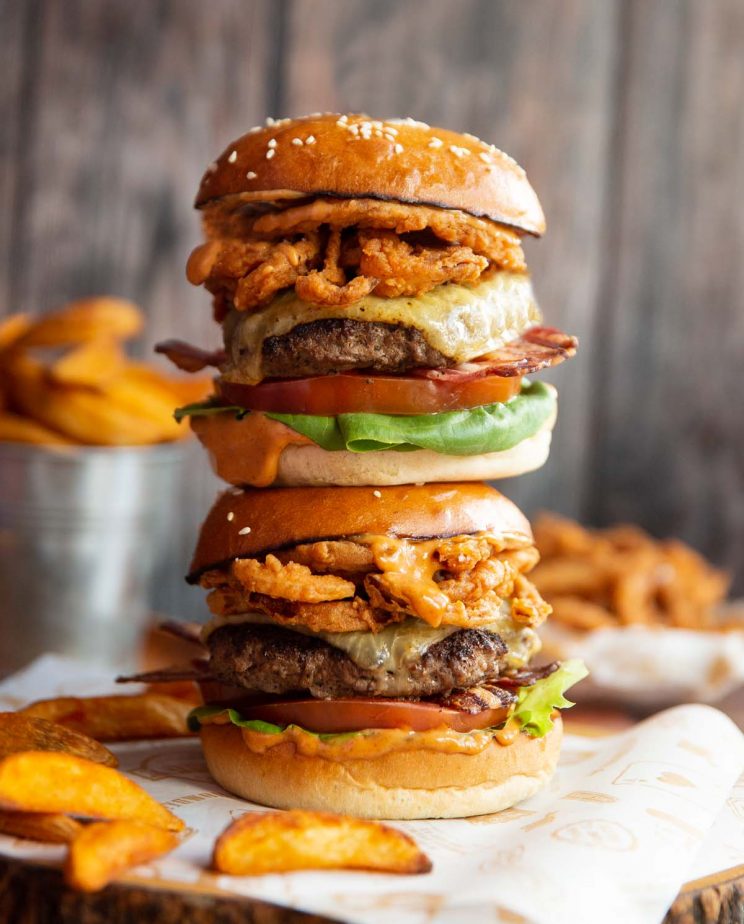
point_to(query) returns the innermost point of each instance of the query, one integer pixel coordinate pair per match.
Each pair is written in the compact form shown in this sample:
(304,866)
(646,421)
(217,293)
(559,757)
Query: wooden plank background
(627,114)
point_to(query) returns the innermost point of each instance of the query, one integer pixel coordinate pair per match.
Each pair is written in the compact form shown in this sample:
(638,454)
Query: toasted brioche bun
(311,465)
(410,165)
(281,517)
(233,456)
(400,784)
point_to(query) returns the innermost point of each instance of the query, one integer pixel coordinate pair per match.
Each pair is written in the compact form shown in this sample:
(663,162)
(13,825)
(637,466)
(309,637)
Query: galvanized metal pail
(82,531)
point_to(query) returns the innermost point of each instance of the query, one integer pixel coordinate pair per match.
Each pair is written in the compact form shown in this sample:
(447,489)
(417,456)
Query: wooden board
(35,894)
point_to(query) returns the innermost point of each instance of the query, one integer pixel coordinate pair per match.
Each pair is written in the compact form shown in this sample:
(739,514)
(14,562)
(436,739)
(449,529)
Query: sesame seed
(484,157)
(244,531)
(233,157)
(298,142)
(409,121)
(436,143)
(251,175)
(310,139)
(270,153)
(458,151)
(212,167)
(377,493)
(230,516)
(342,120)
(270,121)
(256,128)
(272,142)
(471,137)
(398,148)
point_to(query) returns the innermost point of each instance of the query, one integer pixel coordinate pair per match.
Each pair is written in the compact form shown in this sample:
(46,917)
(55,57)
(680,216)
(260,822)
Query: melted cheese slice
(461,322)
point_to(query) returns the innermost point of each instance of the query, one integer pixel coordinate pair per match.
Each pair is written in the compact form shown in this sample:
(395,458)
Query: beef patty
(275,660)
(338,344)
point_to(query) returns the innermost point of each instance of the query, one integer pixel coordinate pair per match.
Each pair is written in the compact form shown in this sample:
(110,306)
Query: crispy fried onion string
(290,581)
(476,577)
(362,253)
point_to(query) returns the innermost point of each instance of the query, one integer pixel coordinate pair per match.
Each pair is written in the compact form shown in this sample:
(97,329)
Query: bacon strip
(477,699)
(188,357)
(535,349)
(188,631)
(526,677)
(198,670)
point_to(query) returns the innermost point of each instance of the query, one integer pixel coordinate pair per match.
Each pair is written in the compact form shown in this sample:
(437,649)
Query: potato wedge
(46,781)
(12,328)
(150,402)
(281,842)
(117,718)
(185,690)
(90,364)
(50,828)
(83,320)
(17,429)
(19,732)
(184,389)
(103,850)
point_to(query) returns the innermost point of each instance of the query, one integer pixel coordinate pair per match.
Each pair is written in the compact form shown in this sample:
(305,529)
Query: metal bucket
(82,531)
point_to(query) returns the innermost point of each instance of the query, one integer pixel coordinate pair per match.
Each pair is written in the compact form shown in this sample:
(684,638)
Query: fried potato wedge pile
(117,718)
(49,773)
(22,732)
(622,576)
(282,842)
(101,851)
(65,378)
(56,782)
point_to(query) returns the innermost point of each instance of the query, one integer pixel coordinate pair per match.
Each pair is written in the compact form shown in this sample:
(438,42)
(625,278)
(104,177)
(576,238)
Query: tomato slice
(350,393)
(331,716)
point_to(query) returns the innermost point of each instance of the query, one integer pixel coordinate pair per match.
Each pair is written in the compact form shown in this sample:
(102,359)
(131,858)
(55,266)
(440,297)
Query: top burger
(377,311)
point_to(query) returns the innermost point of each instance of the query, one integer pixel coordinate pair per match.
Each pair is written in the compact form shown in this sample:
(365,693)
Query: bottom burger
(369,651)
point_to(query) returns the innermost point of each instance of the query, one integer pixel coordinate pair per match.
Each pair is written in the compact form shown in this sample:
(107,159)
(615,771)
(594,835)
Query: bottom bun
(397,785)
(312,466)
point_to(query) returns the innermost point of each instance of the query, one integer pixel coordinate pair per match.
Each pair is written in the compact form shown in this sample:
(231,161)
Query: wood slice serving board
(31,893)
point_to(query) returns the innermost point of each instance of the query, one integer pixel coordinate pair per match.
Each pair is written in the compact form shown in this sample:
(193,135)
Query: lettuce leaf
(194,720)
(490,428)
(196,716)
(537,702)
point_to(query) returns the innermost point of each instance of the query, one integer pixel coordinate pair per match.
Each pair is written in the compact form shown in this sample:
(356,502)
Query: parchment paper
(651,667)
(626,821)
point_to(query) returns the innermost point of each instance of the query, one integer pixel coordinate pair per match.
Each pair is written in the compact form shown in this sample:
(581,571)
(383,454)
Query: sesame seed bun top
(353,156)
(244,524)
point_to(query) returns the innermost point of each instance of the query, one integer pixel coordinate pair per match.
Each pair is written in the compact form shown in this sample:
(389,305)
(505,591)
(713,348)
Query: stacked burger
(372,622)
